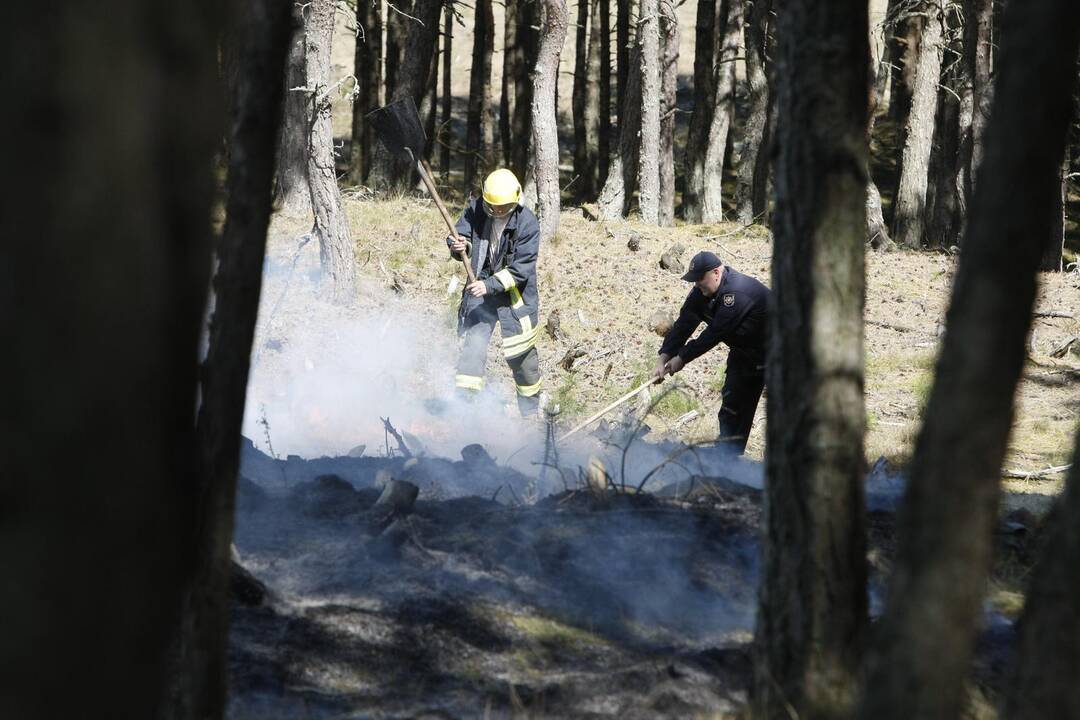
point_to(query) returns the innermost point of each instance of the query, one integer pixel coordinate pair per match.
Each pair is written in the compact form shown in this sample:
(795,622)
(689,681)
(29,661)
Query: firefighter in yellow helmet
(501,238)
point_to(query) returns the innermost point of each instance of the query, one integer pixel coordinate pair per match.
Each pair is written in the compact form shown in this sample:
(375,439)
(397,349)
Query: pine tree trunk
(397,28)
(1042,681)
(478,158)
(580,99)
(545,129)
(1053,255)
(410,79)
(669,54)
(525,59)
(114,143)
(368,62)
(443,133)
(697,136)
(812,615)
(292,193)
(331,227)
(877,232)
(923,647)
(947,202)
(623,62)
(511,69)
(749,206)
(257,49)
(603,9)
(712,205)
(978,55)
(614,201)
(589,175)
(908,29)
(649,159)
(428,110)
(909,208)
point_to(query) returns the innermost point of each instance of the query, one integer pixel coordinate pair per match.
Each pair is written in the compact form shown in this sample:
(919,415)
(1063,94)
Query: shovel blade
(398,127)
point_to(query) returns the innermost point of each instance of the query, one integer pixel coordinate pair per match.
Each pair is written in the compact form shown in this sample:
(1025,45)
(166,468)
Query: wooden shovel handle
(425,174)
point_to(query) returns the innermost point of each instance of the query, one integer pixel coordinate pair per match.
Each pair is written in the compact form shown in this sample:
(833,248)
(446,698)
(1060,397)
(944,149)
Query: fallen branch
(1035,474)
(891,326)
(1060,350)
(1055,314)
(397,436)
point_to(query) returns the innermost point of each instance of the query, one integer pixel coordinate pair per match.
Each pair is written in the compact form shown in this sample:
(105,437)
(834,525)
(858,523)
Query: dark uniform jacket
(736,315)
(509,273)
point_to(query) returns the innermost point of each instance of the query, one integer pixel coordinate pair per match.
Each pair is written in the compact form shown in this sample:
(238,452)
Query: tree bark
(517,95)
(545,128)
(584,96)
(877,232)
(368,71)
(397,27)
(812,614)
(622,57)
(712,201)
(411,79)
(978,55)
(428,109)
(923,649)
(907,30)
(669,71)
(697,136)
(101,315)
(614,201)
(331,227)
(944,199)
(479,135)
(604,139)
(1042,681)
(909,208)
(257,47)
(649,158)
(1053,255)
(292,193)
(750,199)
(443,133)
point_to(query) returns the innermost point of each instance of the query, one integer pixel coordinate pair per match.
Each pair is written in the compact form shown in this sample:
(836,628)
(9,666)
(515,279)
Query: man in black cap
(734,307)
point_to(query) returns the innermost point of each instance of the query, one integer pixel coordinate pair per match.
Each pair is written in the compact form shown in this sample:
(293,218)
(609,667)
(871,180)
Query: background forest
(201,215)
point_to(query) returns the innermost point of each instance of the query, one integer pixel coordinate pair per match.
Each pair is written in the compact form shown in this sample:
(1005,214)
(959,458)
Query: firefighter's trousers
(519,349)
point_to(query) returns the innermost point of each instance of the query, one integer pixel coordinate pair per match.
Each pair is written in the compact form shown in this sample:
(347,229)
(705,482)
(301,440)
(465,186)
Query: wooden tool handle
(425,174)
(608,409)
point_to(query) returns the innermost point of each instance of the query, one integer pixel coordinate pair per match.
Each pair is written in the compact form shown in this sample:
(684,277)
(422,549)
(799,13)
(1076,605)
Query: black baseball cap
(700,264)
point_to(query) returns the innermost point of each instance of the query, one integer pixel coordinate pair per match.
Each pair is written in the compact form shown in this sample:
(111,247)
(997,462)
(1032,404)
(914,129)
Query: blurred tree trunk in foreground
(256,48)
(922,651)
(119,121)
(812,614)
(1042,683)
(545,136)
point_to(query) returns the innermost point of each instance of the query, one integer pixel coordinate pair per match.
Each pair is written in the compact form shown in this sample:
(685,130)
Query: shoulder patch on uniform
(729,299)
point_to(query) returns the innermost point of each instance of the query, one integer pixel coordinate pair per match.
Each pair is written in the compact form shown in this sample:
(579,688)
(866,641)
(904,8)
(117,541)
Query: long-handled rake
(398,127)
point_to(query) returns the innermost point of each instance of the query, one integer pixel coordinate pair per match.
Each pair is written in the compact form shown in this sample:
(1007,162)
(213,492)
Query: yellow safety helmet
(501,188)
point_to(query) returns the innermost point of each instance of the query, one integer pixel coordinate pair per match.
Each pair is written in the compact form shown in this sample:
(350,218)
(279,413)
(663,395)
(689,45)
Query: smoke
(323,375)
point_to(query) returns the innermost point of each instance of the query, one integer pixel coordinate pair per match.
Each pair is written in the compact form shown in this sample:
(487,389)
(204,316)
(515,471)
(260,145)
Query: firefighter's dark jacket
(513,272)
(736,315)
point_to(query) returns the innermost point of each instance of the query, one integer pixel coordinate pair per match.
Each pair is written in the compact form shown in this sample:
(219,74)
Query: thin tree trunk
(528,41)
(669,57)
(545,129)
(99,453)
(978,55)
(443,134)
(812,615)
(590,173)
(907,30)
(603,9)
(614,200)
(368,71)
(649,159)
(712,205)
(429,108)
(397,27)
(909,208)
(580,100)
(1042,681)
(622,56)
(697,136)
(1052,258)
(748,208)
(877,232)
(411,79)
(511,63)
(292,193)
(947,202)
(257,48)
(478,133)
(331,227)
(923,649)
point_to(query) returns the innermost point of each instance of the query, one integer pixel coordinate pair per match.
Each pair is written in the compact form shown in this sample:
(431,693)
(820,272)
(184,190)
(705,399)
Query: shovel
(398,127)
